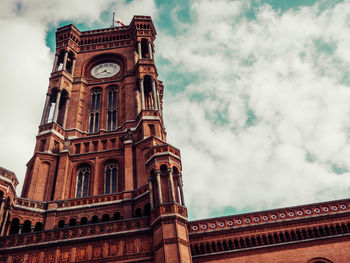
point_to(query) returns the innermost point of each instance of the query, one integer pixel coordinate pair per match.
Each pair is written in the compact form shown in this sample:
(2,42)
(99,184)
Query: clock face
(105,70)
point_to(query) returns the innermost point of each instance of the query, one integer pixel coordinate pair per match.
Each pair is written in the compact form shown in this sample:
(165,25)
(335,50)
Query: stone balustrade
(9,176)
(277,215)
(165,148)
(74,232)
(23,202)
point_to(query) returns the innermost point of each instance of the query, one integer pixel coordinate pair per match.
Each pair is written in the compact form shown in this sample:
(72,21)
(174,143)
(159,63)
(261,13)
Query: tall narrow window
(83,176)
(95,111)
(111,172)
(112,109)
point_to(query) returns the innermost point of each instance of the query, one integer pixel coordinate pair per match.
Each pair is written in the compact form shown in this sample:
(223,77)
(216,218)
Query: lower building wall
(320,251)
(130,249)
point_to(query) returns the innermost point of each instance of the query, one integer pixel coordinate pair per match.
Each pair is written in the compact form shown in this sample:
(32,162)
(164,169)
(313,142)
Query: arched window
(116,216)
(149,91)
(70,64)
(72,222)
(111,172)
(94,117)
(112,109)
(27,226)
(61,224)
(94,219)
(38,226)
(138,212)
(147,209)
(14,226)
(144,48)
(105,218)
(83,221)
(83,176)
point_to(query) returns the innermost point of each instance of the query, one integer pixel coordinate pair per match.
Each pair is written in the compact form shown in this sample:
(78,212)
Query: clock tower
(101,158)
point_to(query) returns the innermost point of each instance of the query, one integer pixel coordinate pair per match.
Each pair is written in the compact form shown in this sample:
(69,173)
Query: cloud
(266,122)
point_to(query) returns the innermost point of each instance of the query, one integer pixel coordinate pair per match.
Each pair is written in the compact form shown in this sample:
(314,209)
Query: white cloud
(287,69)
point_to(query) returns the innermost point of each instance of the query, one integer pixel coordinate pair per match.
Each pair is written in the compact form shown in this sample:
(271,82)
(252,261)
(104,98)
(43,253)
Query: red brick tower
(101,158)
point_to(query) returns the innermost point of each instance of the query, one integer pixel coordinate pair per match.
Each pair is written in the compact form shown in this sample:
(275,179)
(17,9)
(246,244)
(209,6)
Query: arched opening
(253,241)
(72,222)
(38,226)
(94,219)
(27,226)
(61,224)
(70,63)
(105,218)
(62,108)
(207,247)
(82,180)
(83,221)
(111,176)
(149,94)
(138,212)
(14,226)
(60,59)
(213,246)
(147,209)
(282,237)
(144,48)
(202,249)
(116,216)
(50,107)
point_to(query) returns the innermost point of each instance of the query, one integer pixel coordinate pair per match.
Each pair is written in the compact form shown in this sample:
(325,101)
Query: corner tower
(101,153)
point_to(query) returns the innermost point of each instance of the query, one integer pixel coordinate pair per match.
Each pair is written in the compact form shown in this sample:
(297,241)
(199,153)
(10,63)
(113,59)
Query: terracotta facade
(104,185)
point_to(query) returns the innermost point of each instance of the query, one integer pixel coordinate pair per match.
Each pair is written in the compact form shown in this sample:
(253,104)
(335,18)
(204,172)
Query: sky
(257,93)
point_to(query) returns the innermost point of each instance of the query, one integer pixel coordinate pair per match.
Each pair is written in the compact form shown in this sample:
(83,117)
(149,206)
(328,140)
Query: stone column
(171,181)
(150,50)
(181,190)
(54,67)
(137,101)
(142,91)
(159,187)
(65,113)
(135,57)
(55,113)
(3,201)
(150,193)
(139,49)
(20,228)
(158,101)
(65,60)
(155,101)
(4,222)
(73,66)
(43,118)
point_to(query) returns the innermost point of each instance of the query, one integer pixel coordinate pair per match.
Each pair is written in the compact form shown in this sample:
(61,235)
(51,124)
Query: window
(94,118)
(61,224)
(112,109)
(27,225)
(83,176)
(14,226)
(111,171)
